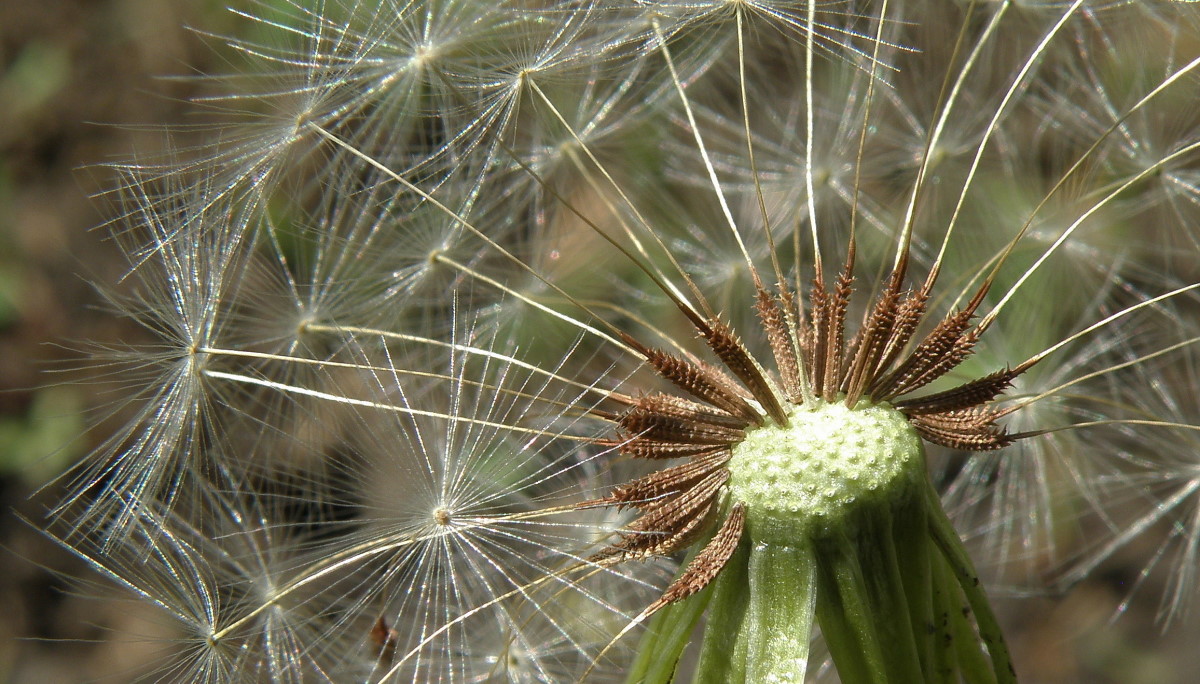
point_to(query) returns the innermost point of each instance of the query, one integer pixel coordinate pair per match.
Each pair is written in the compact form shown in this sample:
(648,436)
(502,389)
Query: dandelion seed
(185,266)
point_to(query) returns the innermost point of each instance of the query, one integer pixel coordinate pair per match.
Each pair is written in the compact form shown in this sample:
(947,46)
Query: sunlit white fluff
(414,361)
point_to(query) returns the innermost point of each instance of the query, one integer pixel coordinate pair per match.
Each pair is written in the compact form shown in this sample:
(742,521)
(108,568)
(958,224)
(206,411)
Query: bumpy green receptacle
(832,462)
(844,530)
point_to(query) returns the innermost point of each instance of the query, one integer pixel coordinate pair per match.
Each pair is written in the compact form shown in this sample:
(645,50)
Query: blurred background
(77,88)
(80,85)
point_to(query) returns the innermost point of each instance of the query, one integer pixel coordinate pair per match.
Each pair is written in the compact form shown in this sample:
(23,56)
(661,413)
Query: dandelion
(838,301)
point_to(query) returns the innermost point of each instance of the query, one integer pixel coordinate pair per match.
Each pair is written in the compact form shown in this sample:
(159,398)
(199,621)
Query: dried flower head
(508,307)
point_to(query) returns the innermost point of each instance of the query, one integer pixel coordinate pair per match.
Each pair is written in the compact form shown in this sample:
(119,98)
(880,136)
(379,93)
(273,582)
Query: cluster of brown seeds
(814,361)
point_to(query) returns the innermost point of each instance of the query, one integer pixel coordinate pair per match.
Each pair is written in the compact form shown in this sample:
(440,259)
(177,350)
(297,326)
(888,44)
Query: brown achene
(814,361)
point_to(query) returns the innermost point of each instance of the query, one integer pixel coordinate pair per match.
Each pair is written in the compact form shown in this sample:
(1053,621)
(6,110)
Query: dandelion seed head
(486,301)
(829,458)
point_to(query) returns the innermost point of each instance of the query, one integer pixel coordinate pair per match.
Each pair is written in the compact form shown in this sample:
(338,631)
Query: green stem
(723,651)
(783,600)
(945,537)
(945,600)
(872,623)
(914,561)
(666,637)
(974,663)
(846,622)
